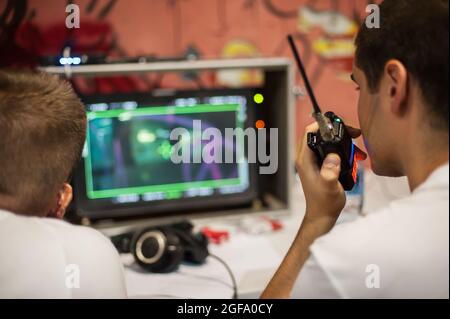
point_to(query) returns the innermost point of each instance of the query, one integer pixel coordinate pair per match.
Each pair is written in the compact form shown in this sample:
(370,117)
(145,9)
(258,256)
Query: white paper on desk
(243,254)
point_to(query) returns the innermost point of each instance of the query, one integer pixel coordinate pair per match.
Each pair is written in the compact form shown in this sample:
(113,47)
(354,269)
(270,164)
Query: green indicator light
(258,98)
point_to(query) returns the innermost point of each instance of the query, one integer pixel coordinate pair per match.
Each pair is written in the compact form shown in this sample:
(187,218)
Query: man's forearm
(325,199)
(280,286)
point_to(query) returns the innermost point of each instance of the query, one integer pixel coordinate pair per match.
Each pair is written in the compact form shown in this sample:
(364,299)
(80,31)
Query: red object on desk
(276,225)
(215,236)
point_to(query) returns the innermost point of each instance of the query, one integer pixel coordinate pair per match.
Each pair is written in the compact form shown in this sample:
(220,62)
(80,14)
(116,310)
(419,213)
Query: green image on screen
(128,152)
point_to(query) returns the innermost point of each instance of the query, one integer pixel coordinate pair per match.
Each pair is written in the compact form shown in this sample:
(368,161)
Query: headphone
(161,249)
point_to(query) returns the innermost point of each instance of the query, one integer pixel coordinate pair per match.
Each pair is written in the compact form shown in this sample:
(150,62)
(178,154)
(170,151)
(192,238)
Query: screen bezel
(105,209)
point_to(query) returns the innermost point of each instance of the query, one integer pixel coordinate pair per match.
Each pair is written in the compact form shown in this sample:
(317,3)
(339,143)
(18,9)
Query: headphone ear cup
(196,247)
(157,250)
(201,239)
(201,250)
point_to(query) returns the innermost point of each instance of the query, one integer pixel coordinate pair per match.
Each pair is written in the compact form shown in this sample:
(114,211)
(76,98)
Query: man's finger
(331,168)
(305,156)
(353,131)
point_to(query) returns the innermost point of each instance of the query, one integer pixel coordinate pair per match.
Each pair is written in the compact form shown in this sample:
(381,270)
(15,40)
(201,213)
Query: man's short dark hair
(415,32)
(42,133)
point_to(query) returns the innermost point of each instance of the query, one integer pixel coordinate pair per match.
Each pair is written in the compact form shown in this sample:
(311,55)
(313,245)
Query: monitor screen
(132,166)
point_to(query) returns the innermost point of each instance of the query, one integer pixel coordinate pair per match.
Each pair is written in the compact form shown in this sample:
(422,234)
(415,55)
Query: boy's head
(402,71)
(42,132)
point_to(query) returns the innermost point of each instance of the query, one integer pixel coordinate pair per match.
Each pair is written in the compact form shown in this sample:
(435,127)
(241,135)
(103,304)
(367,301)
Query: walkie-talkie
(332,137)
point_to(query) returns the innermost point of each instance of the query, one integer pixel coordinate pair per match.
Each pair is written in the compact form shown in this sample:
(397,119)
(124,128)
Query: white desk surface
(252,258)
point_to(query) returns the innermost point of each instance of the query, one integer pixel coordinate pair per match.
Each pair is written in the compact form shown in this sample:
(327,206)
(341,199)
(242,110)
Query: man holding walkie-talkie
(401,70)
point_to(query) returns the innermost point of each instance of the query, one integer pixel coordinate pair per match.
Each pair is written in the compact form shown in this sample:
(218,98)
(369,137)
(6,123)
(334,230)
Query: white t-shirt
(401,251)
(50,258)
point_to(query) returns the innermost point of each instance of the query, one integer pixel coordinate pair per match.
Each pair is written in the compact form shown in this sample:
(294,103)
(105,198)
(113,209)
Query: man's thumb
(331,168)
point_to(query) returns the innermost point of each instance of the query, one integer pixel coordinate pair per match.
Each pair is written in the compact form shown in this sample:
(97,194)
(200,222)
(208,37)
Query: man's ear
(396,76)
(64,199)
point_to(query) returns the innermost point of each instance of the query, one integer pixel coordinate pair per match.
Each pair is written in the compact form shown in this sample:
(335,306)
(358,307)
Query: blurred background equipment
(127,170)
(127,167)
(33,32)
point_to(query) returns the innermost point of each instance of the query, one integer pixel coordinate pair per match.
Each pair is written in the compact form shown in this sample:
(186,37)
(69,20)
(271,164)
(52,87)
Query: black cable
(230,272)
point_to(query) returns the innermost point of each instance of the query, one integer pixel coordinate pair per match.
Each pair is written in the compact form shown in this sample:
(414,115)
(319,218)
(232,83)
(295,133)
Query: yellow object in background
(333,23)
(240,48)
(334,48)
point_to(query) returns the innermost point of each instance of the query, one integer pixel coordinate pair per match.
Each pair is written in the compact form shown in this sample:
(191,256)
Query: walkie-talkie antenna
(325,127)
(304,76)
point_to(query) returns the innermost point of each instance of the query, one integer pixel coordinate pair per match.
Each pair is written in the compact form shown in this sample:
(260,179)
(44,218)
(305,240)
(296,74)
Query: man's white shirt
(401,251)
(49,258)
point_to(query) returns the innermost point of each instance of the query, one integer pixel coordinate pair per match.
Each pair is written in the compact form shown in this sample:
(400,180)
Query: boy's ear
(64,198)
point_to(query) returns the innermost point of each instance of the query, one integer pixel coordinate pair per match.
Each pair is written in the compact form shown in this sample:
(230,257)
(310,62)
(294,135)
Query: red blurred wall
(167,27)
